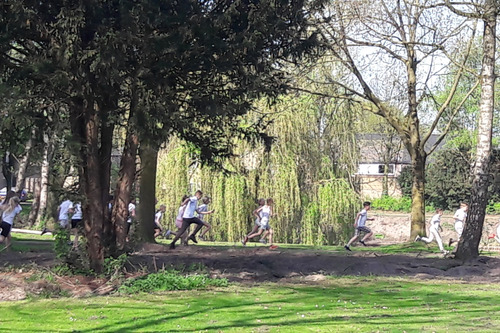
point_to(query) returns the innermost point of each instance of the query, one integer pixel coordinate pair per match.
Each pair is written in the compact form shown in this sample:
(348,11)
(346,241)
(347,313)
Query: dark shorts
(5,229)
(364,229)
(75,223)
(192,220)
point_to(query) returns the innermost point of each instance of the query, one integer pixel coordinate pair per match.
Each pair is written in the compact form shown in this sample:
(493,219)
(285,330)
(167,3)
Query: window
(390,169)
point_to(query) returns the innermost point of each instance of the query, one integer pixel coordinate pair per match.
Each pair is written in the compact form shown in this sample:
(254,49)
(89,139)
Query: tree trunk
(126,176)
(417,196)
(7,166)
(44,177)
(147,193)
(107,129)
(23,165)
(468,246)
(93,205)
(35,205)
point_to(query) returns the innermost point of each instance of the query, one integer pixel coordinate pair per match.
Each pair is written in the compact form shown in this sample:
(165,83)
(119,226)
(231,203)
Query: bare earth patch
(245,265)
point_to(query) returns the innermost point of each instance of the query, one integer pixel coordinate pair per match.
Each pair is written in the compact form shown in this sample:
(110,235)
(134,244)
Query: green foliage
(405,181)
(388,203)
(61,243)
(112,266)
(493,207)
(170,280)
(448,180)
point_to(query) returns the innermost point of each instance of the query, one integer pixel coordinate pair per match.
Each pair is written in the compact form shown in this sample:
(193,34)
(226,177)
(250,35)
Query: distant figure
(188,218)
(264,213)
(202,210)
(76,221)
(359,224)
(158,218)
(261,202)
(64,210)
(131,215)
(179,221)
(434,229)
(9,210)
(460,216)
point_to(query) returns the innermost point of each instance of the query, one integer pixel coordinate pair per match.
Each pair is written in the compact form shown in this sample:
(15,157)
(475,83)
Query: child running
(263,214)
(359,224)
(158,218)
(188,218)
(76,220)
(10,210)
(202,210)
(460,216)
(261,202)
(434,231)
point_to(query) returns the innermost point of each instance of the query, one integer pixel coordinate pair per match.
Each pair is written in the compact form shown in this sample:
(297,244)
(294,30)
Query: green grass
(339,305)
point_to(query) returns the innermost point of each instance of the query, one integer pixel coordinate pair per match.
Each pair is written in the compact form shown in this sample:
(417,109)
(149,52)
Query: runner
(264,213)
(158,218)
(202,210)
(188,218)
(10,210)
(434,231)
(359,224)
(460,216)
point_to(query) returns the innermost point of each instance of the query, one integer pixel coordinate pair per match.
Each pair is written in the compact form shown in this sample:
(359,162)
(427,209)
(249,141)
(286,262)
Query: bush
(170,280)
(493,208)
(402,204)
(389,203)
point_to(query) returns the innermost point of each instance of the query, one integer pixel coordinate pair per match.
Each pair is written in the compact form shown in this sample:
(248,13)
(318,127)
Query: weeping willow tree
(307,171)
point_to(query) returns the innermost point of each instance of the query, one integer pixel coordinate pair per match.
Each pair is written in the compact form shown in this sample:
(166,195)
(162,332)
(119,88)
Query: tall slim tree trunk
(44,177)
(417,196)
(23,166)
(107,128)
(147,192)
(126,176)
(35,205)
(468,246)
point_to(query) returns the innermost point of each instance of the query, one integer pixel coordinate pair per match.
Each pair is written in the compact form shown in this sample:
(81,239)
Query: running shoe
(363,242)
(418,238)
(172,246)
(193,238)
(263,241)
(202,238)
(273,247)
(347,248)
(44,231)
(167,233)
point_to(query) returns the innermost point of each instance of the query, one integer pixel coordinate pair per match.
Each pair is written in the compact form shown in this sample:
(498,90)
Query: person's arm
(256,212)
(185,202)
(356,220)
(271,211)
(206,213)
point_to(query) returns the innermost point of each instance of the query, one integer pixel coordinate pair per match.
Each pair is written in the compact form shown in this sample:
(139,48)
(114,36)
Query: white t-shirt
(202,209)
(265,213)
(131,208)
(77,215)
(8,217)
(190,208)
(64,210)
(158,216)
(435,221)
(460,215)
(363,215)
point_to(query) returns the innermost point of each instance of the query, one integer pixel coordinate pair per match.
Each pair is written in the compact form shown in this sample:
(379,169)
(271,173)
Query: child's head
(198,194)
(206,200)
(269,201)
(13,203)
(163,208)
(439,211)
(367,205)
(184,197)
(464,206)
(261,201)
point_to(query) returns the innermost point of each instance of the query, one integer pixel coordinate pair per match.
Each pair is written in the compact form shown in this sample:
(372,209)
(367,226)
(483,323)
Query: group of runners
(70,216)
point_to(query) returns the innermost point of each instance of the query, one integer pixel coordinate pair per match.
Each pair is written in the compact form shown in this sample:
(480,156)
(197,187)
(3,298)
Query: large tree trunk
(44,177)
(147,193)
(23,166)
(468,246)
(93,205)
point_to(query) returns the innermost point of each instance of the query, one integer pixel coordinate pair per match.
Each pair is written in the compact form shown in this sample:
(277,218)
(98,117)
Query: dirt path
(245,265)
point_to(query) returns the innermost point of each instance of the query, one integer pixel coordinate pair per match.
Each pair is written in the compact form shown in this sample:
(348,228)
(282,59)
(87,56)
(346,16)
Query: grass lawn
(353,304)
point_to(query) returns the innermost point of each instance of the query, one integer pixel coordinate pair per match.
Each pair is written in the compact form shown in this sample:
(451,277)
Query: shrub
(170,280)
(403,204)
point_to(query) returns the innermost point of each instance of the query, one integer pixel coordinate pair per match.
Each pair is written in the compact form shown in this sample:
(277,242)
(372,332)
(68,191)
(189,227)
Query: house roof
(374,147)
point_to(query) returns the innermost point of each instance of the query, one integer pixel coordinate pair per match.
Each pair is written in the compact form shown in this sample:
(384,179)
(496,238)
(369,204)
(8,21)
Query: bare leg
(367,236)
(208,227)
